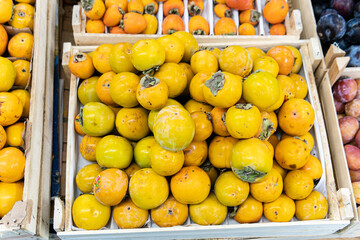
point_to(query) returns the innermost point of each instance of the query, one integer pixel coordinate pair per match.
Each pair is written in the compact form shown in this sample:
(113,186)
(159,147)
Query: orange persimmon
(117,30)
(135,6)
(249,16)
(95,26)
(195,7)
(199,26)
(172,23)
(173,7)
(221,10)
(278,29)
(112,16)
(225,26)
(150,6)
(121,3)
(240,4)
(246,29)
(275,11)
(134,23)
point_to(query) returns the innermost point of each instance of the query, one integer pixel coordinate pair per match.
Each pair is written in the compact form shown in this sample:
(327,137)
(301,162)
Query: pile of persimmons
(172,131)
(15,76)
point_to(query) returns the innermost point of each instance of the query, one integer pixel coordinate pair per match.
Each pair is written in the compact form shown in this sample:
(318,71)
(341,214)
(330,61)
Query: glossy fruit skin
(211,171)
(170,213)
(246,29)
(174,48)
(196,153)
(230,190)
(101,58)
(134,23)
(353,31)
(174,77)
(21,45)
(204,60)
(291,153)
(345,90)
(277,29)
(280,210)
(261,89)
(152,93)
(7,74)
(132,169)
(86,177)
(95,26)
(9,194)
(174,129)
(240,5)
(110,186)
(191,185)
(94,9)
(236,60)
(220,150)
(14,135)
(97,119)
(11,108)
(189,42)
(225,26)
(349,126)
(151,24)
(208,212)
(352,154)
(356,189)
(197,85)
(127,215)
(114,152)
(249,211)
(24,97)
(147,189)
(120,58)
(131,123)
(87,91)
(142,151)
(313,167)
(251,160)
(266,64)
(243,120)
(298,59)
(203,125)
(223,89)
(298,184)
(288,86)
(3,137)
(172,23)
(81,65)
(6,10)
(147,54)
(198,25)
(165,162)
(284,57)
(89,214)
(23,16)
(352,52)
(296,117)
(153,113)
(123,89)
(12,164)
(315,206)
(193,106)
(275,11)
(344,7)
(102,88)
(307,137)
(281,170)
(331,27)
(269,189)
(301,87)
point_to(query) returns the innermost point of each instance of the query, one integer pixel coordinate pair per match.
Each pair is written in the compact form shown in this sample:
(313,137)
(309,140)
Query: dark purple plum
(344,7)
(328,11)
(356,11)
(352,34)
(331,27)
(319,7)
(343,43)
(354,53)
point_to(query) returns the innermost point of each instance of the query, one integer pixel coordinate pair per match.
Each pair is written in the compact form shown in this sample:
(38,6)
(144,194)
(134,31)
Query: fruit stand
(31,215)
(180,119)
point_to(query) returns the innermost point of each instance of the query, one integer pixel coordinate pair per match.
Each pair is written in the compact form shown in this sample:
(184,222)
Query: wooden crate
(31,216)
(337,68)
(63,223)
(293,26)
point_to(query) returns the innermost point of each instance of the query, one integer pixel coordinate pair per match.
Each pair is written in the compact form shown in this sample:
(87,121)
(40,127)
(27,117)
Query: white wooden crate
(63,220)
(36,195)
(293,24)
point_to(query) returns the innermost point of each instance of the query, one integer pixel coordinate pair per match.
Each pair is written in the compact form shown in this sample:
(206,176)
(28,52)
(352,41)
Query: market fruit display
(16,48)
(338,22)
(192,137)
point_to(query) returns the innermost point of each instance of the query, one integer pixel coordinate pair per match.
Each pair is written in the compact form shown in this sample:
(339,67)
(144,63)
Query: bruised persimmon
(95,26)
(199,26)
(134,23)
(225,26)
(278,29)
(275,11)
(172,23)
(173,7)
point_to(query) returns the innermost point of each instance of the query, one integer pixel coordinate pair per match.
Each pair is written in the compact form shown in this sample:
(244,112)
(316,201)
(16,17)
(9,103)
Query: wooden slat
(333,53)
(336,69)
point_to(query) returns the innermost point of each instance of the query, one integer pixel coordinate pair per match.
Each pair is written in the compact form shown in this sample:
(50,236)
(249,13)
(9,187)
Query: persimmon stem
(216,82)
(148,81)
